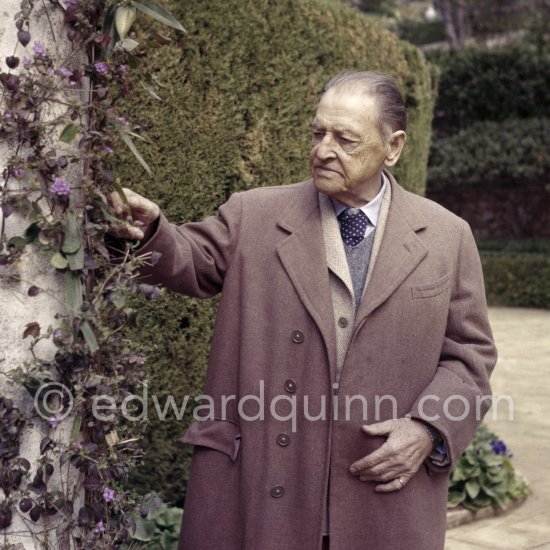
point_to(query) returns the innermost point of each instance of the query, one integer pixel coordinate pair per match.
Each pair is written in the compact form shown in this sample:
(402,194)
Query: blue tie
(353,224)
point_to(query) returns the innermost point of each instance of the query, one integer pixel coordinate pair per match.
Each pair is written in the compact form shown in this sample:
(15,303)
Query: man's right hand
(138,216)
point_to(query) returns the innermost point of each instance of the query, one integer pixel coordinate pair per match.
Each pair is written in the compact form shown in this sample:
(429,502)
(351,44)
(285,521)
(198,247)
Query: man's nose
(326,148)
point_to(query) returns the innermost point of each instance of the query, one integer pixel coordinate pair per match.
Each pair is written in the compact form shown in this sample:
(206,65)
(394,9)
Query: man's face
(348,150)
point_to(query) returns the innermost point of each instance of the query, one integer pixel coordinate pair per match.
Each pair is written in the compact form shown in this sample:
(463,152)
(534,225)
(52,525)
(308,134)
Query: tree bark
(17,307)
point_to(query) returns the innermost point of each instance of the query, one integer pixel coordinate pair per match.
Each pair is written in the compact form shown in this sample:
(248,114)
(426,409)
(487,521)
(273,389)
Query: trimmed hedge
(242,89)
(491,85)
(492,154)
(517,279)
(514,246)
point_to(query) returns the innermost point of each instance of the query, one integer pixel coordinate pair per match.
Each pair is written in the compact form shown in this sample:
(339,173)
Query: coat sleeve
(459,395)
(194,257)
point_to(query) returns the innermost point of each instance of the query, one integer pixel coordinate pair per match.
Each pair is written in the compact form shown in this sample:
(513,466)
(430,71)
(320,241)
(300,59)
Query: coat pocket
(428,290)
(220,435)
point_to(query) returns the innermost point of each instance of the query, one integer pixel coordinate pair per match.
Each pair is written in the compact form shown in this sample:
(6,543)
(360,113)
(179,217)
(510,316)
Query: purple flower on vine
(26,62)
(63,71)
(108,494)
(102,68)
(71,2)
(38,49)
(54,420)
(107,149)
(61,187)
(122,119)
(100,528)
(122,69)
(18,172)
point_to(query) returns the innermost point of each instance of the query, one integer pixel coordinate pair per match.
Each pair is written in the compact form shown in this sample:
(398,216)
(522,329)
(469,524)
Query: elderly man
(356,310)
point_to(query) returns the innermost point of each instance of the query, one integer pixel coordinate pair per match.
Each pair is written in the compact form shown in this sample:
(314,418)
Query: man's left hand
(407,446)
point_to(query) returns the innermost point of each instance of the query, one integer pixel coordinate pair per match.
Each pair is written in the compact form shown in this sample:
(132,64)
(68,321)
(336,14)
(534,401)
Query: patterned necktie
(353,223)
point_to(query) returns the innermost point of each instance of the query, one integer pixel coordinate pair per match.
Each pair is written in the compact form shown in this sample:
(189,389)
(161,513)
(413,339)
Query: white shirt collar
(371,209)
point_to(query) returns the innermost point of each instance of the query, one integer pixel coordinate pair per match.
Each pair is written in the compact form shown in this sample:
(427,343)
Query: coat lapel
(337,261)
(401,250)
(303,256)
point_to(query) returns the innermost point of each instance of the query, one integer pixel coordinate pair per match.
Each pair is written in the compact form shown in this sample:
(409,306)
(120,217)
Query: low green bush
(484,475)
(477,85)
(517,279)
(157,527)
(514,246)
(487,154)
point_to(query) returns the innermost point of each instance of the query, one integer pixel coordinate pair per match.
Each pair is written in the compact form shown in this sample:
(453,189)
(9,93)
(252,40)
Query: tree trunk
(446,9)
(18,308)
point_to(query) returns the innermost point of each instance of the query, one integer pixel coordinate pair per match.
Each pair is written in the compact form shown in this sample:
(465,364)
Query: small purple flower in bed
(499,447)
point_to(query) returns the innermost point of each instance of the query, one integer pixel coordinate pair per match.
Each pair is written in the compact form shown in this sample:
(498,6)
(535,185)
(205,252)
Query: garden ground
(523,372)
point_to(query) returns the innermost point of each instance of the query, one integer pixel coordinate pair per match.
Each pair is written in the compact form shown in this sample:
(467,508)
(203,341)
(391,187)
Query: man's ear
(394,147)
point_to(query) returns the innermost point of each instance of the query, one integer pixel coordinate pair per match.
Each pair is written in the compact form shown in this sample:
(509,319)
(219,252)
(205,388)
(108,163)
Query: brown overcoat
(421,335)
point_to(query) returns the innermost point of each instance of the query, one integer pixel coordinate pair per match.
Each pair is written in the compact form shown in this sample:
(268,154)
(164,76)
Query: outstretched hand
(138,217)
(399,458)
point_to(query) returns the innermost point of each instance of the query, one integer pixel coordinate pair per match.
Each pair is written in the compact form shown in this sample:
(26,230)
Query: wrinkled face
(348,151)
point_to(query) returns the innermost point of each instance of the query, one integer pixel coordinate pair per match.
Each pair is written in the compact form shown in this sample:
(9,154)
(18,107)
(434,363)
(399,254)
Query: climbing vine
(58,177)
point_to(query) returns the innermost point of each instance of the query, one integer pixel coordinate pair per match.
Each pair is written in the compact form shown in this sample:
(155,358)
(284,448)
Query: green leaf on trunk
(72,240)
(89,336)
(109,28)
(75,430)
(156,11)
(76,260)
(59,261)
(17,242)
(73,292)
(68,133)
(120,192)
(128,140)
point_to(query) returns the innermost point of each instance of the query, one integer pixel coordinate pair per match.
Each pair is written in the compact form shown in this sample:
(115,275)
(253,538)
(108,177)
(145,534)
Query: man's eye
(317,134)
(346,141)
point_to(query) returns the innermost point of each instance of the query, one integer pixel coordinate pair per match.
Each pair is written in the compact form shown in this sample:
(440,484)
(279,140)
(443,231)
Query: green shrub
(491,85)
(484,475)
(159,529)
(492,154)
(517,279)
(514,246)
(242,89)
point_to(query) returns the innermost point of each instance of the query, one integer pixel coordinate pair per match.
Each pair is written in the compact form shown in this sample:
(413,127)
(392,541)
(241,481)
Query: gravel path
(522,372)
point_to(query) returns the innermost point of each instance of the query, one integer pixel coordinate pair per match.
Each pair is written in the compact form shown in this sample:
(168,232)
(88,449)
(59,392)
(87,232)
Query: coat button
(343,322)
(278,491)
(297,336)
(290,386)
(283,440)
